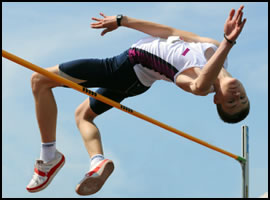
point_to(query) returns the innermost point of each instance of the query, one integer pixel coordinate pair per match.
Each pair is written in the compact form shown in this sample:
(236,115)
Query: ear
(216,99)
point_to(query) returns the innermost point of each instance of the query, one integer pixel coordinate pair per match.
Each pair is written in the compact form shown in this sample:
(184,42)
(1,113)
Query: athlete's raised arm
(232,29)
(109,23)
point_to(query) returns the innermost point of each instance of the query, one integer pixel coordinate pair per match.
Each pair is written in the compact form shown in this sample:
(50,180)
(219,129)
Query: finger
(239,10)
(241,7)
(96,19)
(239,18)
(231,14)
(102,14)
(96,25)
(105,31)
(243,23)
(237,13)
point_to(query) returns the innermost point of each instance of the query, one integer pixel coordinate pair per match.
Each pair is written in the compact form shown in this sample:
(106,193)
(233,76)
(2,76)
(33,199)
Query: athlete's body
(197,69)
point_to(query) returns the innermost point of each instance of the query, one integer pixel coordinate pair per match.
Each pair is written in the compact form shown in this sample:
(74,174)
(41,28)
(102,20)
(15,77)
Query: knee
(83,113)
(39,83)
(78,115)
(36,82)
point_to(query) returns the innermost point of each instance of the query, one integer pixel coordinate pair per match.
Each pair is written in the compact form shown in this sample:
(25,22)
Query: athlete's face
(231,95)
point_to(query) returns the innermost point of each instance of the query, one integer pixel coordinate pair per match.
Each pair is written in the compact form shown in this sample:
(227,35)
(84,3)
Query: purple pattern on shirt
(150,61)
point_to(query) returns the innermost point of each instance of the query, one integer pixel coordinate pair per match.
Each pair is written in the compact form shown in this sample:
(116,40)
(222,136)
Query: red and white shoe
(95,178)
(45,172)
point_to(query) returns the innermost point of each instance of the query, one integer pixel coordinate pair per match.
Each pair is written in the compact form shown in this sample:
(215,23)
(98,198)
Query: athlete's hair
(235,118)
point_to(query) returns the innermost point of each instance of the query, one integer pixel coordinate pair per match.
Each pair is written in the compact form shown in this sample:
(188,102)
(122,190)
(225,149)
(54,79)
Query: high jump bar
(117,105)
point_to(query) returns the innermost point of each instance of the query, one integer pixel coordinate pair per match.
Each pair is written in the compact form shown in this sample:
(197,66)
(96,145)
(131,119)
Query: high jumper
(193,63)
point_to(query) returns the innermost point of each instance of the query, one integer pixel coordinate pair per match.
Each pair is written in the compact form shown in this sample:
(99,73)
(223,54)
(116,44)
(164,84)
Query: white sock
(48,151)
(95,159)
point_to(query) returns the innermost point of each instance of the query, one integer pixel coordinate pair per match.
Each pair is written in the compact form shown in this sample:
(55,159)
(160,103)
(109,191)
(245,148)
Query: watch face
(119,18)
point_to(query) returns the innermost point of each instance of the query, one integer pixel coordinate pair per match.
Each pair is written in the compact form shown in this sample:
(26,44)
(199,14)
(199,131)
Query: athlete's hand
(109,23)
(234,24)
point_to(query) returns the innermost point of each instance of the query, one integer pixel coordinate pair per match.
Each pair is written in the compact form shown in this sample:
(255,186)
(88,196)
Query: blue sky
(149,161)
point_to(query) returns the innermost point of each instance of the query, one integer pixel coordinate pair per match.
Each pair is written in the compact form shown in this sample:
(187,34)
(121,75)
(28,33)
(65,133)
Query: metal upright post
(245,164)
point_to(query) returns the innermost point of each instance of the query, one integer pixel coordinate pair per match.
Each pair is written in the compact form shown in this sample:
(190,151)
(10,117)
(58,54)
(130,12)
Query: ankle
(95,159)
(48,151)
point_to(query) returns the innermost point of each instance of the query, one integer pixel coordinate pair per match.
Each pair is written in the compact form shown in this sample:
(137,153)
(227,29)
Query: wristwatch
(119,18)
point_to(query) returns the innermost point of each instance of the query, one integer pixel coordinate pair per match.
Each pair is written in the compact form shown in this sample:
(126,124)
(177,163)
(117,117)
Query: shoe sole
(92,185)
(49,180)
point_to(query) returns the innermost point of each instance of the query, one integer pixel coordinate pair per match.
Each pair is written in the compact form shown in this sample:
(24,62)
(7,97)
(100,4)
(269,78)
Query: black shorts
(114,76)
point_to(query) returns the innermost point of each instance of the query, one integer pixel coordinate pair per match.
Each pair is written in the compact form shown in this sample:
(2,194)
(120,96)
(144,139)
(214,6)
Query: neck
(221,76)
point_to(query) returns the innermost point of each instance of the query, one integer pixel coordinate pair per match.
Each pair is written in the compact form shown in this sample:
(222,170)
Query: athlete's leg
(84,119)
(46,109)
(100,168)
(51,160)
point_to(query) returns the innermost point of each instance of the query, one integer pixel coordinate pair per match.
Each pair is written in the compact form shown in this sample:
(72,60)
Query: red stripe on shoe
(97,168)
(49,174)
(40,173)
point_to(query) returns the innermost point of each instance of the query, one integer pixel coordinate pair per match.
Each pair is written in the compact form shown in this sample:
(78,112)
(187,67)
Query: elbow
(200,89)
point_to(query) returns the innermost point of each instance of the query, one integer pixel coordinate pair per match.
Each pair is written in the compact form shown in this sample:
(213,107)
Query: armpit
(209,53)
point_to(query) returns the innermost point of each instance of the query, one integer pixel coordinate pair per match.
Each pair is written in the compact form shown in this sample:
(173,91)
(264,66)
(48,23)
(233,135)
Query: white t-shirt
(159,59)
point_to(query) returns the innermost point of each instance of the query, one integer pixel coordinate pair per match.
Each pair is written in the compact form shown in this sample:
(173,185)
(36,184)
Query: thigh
(113,73)
(87,72)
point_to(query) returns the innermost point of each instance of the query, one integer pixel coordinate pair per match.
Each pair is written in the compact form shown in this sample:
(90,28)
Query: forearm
(212,68)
